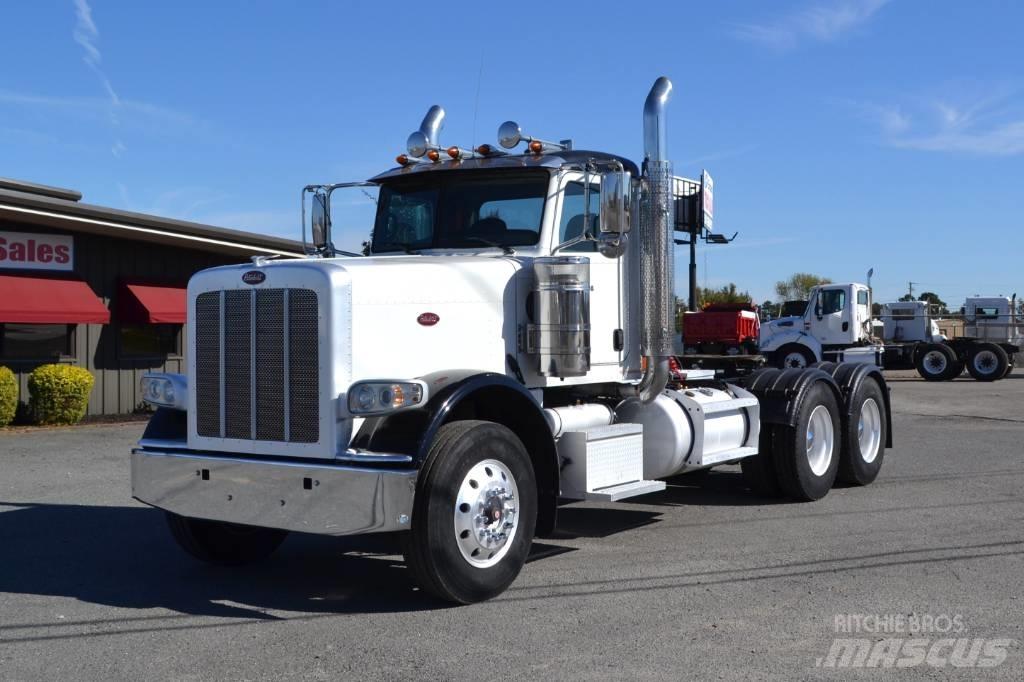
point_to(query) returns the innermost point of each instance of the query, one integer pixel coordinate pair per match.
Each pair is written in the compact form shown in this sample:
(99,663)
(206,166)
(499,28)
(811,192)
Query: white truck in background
(837,327)
(506,346)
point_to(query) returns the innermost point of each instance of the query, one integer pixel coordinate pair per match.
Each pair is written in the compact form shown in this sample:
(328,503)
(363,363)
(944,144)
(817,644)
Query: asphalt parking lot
(699,581)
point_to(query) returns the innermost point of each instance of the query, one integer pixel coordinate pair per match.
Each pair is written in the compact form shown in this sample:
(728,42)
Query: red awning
(40,300)
(151,304)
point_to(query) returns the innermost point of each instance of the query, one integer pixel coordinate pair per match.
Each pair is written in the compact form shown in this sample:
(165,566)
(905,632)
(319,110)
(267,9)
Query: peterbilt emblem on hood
(428,319)
(253,277)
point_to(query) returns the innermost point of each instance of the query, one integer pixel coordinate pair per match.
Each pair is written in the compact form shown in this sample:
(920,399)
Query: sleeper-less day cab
(505,347)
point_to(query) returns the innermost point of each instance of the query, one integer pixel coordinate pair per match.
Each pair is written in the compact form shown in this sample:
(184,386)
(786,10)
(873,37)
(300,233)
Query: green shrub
(59,394)
(8,396)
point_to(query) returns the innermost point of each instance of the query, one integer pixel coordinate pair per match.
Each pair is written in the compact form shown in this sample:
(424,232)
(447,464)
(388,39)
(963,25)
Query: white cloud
(1006,139)
(139,114)
(821,23)
(990,125)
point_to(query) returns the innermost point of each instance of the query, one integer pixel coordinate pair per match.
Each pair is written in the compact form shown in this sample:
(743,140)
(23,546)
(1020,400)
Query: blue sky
(842,134)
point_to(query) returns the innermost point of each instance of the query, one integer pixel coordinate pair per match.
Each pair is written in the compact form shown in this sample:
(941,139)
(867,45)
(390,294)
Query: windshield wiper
(506,249)
(404,246)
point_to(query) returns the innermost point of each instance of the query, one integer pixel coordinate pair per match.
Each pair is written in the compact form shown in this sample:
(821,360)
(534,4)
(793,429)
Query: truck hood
(414,314)
(780,325)
(387,280)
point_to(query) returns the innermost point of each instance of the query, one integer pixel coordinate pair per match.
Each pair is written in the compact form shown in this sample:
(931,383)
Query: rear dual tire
(799,461)
(938,362)
(864,435)
(988,362)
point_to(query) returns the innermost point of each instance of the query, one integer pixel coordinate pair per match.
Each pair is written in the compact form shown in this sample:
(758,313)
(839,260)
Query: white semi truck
(505,347)
(836,326)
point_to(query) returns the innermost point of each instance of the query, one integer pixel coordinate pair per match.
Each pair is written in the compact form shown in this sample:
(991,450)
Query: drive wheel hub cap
(985,362)
(935,362)
(869,430)
(820,440)
(486,513)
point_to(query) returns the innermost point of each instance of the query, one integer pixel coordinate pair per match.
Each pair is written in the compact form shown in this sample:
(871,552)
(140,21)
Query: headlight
(165,390)
(380,397)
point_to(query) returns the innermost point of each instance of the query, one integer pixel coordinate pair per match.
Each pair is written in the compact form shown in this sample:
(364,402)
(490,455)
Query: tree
(906,297)
(938,305)
(726,294)
(798,286)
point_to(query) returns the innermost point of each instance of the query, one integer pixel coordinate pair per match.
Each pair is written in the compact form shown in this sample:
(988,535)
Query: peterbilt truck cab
(504,347)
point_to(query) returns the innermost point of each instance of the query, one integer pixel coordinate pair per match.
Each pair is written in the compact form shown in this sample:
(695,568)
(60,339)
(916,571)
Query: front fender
(459,395)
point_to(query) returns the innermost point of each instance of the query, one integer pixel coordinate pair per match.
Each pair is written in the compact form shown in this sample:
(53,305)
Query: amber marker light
(433,155)
(536,147)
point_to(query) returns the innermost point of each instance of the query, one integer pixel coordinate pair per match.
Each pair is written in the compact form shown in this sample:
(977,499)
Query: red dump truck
(722,329)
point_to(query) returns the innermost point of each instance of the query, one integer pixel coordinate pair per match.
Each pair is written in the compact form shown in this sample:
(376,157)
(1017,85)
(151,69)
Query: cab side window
(571,224)
(832,301)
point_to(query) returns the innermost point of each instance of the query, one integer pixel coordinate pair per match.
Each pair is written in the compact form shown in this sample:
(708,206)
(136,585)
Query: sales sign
(707,198)
(24,251)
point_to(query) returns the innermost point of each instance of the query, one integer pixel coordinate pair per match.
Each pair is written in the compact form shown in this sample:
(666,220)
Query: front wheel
(793,357)
(474,513)
(225,544)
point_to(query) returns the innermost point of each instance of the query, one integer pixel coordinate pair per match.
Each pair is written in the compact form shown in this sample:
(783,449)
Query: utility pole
(910,289)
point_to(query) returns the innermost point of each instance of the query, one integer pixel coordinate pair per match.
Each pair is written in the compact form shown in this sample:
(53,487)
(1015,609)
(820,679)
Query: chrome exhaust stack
(657,218)
(432,124)
(428,136)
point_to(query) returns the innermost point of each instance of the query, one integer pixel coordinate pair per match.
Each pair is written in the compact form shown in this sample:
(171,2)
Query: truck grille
(257,363)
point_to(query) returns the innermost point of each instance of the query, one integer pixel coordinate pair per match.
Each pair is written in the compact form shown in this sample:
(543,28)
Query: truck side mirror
(321,221)
(614,216)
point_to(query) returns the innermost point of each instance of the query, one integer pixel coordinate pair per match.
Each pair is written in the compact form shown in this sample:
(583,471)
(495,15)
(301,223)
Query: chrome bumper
(312,498)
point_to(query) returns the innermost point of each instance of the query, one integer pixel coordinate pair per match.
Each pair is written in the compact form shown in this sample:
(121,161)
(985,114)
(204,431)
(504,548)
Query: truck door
(604,272)
(831,316)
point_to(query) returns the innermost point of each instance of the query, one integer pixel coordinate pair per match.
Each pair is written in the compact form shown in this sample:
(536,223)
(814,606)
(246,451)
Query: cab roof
(553,161)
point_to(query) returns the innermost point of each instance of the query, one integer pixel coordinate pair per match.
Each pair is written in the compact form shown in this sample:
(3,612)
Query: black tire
(826,366)
(796,477)
(759,471)
(224,544)
(987,362)
(431,548)
(864,435)
(936,362)
(782,358)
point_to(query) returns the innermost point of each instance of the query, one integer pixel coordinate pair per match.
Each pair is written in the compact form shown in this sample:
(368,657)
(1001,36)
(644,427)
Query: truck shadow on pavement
(125,557)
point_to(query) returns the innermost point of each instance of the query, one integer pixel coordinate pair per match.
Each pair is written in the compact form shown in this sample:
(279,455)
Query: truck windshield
(454,209)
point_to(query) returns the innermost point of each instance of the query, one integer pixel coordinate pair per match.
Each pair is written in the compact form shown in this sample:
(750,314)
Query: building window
(148,340)
(35,341)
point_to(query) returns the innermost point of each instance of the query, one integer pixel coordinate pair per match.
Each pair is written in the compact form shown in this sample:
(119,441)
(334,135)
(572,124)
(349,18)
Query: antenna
(476,101)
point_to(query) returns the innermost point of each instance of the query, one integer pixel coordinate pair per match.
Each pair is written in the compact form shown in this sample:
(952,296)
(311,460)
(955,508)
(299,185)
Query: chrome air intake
(657,286)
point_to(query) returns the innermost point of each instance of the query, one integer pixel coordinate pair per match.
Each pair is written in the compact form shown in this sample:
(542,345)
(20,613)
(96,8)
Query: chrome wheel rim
(820,440)
(935,362)
(486,513)
(985,362)
(869,430)
(795,360)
